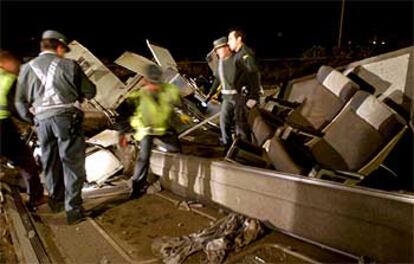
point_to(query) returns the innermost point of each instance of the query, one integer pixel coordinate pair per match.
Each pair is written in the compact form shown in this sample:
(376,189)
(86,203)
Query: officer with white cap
(49,90)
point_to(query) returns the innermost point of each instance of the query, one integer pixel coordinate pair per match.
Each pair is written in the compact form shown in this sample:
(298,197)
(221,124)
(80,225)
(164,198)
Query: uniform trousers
(63,157)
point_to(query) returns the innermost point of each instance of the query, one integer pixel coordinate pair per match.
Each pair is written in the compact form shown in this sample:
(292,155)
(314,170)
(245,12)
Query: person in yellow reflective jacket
(12,146)
(154,107)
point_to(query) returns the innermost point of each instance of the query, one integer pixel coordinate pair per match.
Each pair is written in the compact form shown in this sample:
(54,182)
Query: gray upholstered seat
(262,126)
(355,141)
(318,109)
(331,94)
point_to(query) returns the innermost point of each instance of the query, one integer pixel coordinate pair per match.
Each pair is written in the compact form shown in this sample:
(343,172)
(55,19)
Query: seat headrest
(376,113)
(336,82)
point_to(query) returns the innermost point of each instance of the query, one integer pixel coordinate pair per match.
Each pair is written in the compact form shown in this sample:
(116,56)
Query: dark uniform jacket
(49,85)
(248,74)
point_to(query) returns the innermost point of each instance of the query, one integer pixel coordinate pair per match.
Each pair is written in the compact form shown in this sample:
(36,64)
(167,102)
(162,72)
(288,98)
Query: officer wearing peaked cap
(232,106)
(49,91)
(218,43)
(211,57)
(52,34)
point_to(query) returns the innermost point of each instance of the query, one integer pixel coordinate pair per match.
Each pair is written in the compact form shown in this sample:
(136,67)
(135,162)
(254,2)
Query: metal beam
(202,123)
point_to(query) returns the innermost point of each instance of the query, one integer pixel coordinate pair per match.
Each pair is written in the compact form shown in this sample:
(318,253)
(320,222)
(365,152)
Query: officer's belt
(39,109)
(229,92)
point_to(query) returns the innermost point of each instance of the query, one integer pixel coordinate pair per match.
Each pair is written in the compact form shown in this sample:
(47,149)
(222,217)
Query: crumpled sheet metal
(232,232)
(105,139)
(100,165)
(110,90)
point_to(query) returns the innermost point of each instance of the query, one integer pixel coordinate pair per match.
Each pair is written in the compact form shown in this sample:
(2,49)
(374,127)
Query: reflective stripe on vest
(50,98)
(145,131)
(6,82)
(152,117)
(153,130)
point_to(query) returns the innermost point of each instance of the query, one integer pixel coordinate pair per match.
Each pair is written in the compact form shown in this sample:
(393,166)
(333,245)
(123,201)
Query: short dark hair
(238,33)
(49,44)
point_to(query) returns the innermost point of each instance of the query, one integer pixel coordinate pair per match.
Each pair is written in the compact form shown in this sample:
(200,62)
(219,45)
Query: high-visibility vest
(152,117)
(6,82)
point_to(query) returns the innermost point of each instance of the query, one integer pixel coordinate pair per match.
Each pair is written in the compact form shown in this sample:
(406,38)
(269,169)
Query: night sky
(274,28)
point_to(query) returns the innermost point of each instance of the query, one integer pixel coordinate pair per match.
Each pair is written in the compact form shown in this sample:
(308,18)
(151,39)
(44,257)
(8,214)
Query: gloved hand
(251,103)
(185,118)
(123,140)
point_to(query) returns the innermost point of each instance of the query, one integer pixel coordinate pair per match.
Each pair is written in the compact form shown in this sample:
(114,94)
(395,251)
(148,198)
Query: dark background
(275,29)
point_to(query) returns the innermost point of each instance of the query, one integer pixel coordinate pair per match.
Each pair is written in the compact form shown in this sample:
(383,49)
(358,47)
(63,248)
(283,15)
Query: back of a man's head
(9,62)
(49,44)
(54,41)
(153,73)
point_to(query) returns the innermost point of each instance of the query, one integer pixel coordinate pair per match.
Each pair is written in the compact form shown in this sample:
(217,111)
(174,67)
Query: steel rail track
(26,239)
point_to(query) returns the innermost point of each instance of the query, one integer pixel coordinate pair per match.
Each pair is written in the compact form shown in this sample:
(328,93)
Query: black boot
(35,201)
(55,205)
(75,216)
(137,190)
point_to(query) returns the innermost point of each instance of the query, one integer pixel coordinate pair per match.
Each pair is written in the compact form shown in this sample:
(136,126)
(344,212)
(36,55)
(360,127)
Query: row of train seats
(330,93)
(340,130)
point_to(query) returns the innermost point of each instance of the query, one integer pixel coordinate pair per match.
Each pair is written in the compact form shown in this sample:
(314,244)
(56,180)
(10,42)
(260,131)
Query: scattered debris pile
(231,233)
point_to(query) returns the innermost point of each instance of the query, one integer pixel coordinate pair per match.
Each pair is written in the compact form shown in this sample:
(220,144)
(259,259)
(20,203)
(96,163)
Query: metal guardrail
(362,221)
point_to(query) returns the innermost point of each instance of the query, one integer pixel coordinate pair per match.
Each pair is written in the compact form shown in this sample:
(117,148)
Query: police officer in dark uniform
(232,107)
(248,75)
(50,89)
